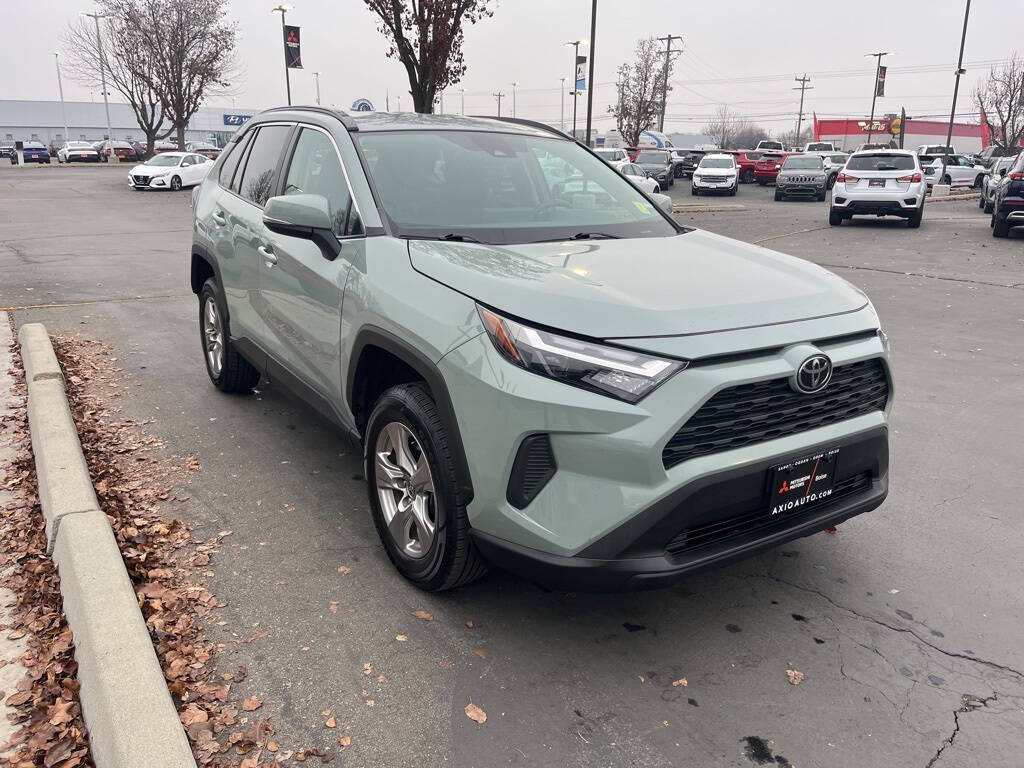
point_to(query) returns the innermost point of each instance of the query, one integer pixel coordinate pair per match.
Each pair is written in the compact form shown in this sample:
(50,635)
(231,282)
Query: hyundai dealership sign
(235,119)
(362,105)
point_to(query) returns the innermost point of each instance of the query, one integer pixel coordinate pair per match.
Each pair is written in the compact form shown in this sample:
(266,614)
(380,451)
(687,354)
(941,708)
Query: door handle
(219,218)
(268,255)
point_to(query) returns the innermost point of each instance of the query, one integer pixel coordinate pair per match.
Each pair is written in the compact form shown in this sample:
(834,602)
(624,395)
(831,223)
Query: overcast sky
(743,53)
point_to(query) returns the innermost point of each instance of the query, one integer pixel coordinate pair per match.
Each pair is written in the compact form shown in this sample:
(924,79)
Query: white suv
(615,157)
(960,172)
(715,173)
(879,182)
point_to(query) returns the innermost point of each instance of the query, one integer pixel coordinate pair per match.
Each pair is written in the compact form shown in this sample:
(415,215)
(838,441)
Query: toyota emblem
(814,374)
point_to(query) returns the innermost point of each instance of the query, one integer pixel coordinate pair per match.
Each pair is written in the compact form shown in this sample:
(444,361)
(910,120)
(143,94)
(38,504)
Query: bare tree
(1001,99)
(747,135)
(791,139)
(427,36)
(129,68)
(192,45)
(725,127)
(641,88)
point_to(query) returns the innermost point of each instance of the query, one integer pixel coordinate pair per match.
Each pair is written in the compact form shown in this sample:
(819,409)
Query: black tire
(657,189)
(175,183)
(981,201)
(989,207)
(693,191)
(732,192)
(914,221)
(947,180)
(748,176)
(831,181)
(236,374)
(671,181)
(1000,227)
(979,180)
(821,197)
(762,182)
(835,218)
(452,559)
(778,195)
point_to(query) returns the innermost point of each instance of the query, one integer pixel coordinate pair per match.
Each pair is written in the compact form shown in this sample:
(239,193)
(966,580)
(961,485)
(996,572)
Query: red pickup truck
(767,168)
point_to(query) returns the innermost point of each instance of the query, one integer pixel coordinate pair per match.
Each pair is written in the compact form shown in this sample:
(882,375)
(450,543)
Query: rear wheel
(835,218)
(1000,227)
(979,180)
(228,370)
(947,180)
(981,201)
(989,207)
(914,221)
(414,494)
(748,176)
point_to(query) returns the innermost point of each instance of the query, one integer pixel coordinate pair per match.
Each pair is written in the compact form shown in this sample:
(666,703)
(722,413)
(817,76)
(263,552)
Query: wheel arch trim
(373,336)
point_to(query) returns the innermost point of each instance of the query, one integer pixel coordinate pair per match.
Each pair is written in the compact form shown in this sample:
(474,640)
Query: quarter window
(315,169)
(235,151)
(258,177)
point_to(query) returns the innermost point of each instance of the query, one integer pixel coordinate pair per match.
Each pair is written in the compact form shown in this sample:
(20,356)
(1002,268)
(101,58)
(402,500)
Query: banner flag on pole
(581,73)
(292,54)
(880,82)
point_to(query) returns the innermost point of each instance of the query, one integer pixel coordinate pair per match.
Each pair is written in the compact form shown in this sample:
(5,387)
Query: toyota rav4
(545,371)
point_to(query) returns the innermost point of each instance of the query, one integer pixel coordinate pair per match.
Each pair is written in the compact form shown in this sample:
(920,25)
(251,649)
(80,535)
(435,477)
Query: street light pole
(316,82)
(956,87)
(60,88)
(561,122)
(514,86)
(874,93)
(590,77)
(103,81)
(282,9)
(462,92)
(575,80)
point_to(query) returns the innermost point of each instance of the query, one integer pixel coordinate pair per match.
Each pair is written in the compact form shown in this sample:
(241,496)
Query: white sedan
(170,170)
(960,172)
(636,174)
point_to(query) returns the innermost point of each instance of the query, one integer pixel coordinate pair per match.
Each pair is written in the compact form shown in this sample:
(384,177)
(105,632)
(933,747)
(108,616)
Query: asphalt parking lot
(906,622)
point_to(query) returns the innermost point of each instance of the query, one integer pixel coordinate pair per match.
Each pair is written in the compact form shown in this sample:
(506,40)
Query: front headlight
(612,371)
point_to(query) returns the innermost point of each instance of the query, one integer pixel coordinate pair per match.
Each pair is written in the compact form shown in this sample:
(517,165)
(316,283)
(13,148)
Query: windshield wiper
(451,237)
(593,236)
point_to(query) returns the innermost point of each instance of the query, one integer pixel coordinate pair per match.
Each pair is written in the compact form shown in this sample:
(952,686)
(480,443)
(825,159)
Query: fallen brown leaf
(481,653)
(474,713)
(344,741)
(252,704)
(402,638)
(334,606)
(680,682)
(344,569)
(421,614)
(331,722)
(794,676)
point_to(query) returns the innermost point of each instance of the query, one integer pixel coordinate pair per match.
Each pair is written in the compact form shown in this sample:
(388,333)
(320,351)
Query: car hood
(799,172)
(653,166)
(696,282)
(151,170)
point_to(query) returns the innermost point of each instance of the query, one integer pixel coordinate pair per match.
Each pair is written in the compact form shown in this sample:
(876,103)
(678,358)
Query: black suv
(1008,205)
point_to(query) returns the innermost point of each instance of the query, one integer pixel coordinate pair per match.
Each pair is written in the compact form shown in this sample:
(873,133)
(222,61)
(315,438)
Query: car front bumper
(608,516)
(726,184)
(804,188)
(890,202)
(151,182)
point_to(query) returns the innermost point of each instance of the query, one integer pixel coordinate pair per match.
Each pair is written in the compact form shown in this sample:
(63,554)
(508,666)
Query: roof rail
(529,123)
(344,117)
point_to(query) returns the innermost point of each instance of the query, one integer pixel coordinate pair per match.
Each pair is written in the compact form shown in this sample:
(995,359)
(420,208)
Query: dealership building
(847,133)
(87,121)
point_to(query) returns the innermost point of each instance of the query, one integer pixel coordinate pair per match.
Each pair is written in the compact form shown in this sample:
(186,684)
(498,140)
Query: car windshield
(802,163)
(660,158)
(716,162)
(771,145)
(837,158)
(880,162)
(502,188)
(164,160)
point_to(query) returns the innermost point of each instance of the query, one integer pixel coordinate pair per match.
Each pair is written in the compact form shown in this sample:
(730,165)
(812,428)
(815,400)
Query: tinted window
(802,163)
(716,162)
(316,170)
(258,177)
(234,152)
(881,162)
(653,157)
(818,147)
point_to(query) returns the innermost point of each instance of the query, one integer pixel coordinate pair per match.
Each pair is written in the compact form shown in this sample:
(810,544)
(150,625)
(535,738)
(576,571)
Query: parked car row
(100,151)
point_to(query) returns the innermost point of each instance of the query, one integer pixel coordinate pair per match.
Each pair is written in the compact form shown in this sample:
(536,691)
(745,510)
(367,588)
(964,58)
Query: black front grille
(759,522)
(754,413)
(140,179)
(533,467)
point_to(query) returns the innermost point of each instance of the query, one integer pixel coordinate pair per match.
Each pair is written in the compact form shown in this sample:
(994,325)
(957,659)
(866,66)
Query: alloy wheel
(405,489)
(213,335)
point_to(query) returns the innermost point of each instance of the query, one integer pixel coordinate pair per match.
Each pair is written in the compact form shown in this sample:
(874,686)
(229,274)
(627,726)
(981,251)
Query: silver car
(879,182)
(995,176)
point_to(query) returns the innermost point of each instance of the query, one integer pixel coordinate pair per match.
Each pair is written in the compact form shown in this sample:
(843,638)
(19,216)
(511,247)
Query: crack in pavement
(906,630)
(923,274)
(968,703)
(115,300)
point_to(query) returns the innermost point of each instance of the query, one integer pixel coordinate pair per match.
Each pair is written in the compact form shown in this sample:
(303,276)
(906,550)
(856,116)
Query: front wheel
(981,201)
(227,369)
(989,207)
(748,176)
(778,195)
(821,197)
(978,181)
(176,183)
(693,191)
(657,189)
(414,492)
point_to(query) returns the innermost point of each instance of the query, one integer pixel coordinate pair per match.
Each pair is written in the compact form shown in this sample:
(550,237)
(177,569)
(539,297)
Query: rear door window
(258,178)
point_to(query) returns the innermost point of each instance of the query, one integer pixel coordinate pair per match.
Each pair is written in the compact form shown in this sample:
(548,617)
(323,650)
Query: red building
(850,132)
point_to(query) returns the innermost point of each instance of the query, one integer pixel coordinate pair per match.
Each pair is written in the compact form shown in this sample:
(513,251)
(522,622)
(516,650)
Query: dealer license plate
(802,483)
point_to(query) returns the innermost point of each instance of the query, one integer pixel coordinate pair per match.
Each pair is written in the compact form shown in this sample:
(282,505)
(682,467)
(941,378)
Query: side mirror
(1002,171)
(305,216)
(663,201)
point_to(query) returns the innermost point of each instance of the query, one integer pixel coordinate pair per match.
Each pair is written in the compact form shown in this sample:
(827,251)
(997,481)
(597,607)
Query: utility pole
(103,82)
(514,86)
(499,95)
(282,9)
(316,82)
(956,87)
(60,88)
(590,76)
(561,122)
(874,92)
(664,93)
(800,115)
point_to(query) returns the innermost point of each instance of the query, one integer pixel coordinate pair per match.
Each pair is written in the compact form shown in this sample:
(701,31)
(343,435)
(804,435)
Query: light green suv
(547,373)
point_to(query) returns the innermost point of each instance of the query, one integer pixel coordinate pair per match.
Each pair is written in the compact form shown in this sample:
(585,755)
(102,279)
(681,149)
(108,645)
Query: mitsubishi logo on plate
(814,374)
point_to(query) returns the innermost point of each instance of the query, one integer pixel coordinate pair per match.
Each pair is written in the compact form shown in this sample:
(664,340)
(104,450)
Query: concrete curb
(708,208)
(127,707)
(953,198)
